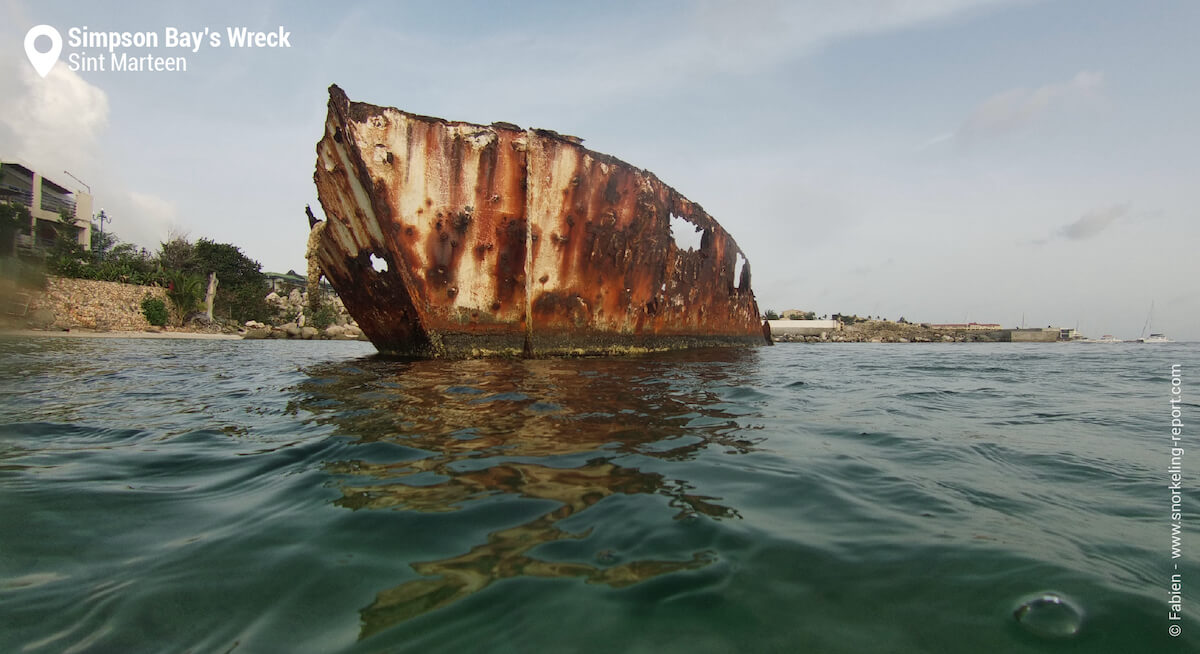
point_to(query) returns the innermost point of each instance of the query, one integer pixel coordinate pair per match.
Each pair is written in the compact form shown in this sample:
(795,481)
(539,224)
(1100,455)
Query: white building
(47,201)
(803,327)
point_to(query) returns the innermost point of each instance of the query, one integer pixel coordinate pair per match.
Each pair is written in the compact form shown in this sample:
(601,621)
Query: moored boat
(1153,337)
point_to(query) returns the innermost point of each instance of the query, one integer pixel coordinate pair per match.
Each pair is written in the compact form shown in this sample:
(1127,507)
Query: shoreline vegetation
(882,331)
(865,332)
(53,283)
(90,308)
(210,290)
(795,326)
(91,333)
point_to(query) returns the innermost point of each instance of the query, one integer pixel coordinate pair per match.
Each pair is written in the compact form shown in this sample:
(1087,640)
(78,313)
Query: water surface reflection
(567,433)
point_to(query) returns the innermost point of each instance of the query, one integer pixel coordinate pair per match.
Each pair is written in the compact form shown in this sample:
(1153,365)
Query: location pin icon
(43,61)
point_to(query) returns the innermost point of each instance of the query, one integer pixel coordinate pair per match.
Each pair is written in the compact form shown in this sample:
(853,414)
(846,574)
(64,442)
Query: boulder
(334,331)
(308,333)
(256,334)
(291,329)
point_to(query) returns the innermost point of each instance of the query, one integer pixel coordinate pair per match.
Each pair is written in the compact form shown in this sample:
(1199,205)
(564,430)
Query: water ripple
(267,496)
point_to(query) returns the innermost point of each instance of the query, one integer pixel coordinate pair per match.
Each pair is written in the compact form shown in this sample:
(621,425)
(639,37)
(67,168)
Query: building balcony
(16,195)
(57,205)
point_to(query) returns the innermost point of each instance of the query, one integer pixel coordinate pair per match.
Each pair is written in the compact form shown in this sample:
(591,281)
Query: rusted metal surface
(453,239)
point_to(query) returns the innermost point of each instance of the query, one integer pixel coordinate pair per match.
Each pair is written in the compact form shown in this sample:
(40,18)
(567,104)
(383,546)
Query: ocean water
(273,496)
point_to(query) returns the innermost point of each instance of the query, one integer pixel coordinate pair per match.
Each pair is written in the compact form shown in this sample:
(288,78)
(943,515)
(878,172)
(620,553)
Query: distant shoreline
(885,331)
(91,333)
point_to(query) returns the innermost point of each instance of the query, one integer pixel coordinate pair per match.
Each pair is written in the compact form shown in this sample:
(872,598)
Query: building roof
(289,275)
(17,163)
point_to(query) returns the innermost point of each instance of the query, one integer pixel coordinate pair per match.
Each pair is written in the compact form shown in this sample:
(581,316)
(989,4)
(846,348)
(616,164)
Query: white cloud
(653,51)
(57,124)
(1015,108)
(755,32)
(52,123)
(142,218)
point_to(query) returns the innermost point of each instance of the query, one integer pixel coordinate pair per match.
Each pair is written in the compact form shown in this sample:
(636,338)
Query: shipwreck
(447,238)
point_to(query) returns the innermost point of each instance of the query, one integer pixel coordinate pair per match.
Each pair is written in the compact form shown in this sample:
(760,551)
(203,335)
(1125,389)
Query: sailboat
(1149,326)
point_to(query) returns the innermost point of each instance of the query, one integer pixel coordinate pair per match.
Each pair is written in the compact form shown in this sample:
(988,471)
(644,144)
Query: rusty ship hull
(446,238)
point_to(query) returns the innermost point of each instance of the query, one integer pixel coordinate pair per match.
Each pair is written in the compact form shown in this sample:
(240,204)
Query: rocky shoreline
(91,333)
(74,307)
(258,331)
(341,327)
(882,331)
(78,307)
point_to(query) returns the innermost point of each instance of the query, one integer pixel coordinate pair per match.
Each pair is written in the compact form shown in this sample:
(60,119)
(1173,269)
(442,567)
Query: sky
(999,161)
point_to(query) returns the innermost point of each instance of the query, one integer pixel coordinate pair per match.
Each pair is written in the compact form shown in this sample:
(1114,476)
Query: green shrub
(14,218)
(322,317)
(122,263)
(185,291)
(242,284)
(155,311)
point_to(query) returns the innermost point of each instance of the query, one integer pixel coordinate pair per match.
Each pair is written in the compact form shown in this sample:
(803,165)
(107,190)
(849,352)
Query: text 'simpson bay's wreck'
(452,239)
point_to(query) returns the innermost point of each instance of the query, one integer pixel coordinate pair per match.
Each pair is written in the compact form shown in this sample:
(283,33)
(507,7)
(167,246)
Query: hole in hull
(687,236)
(380,265)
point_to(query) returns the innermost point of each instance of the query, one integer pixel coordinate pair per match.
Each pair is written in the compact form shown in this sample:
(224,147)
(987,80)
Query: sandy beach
(88,333)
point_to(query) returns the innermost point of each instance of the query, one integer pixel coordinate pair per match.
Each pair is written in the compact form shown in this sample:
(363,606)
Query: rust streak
(502,240)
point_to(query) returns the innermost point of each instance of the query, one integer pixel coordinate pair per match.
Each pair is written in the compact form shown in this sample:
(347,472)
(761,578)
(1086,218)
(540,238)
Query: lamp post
(67,172)
(102,218)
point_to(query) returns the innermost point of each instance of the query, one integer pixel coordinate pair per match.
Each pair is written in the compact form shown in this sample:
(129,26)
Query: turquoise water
(271,496)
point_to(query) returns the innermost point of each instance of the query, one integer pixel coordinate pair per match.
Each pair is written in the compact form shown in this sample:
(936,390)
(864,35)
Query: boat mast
(1149,319)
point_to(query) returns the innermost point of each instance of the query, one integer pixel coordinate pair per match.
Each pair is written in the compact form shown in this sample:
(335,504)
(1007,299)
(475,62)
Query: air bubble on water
(1049,614)
(689,517)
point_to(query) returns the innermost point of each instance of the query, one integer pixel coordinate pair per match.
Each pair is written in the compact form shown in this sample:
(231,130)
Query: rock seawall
(87,304)
(879,331)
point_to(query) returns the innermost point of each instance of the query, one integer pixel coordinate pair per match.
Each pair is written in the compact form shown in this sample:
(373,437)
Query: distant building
(284,283)
(1035,335)
(803,327)
(990,326)
(47,201)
